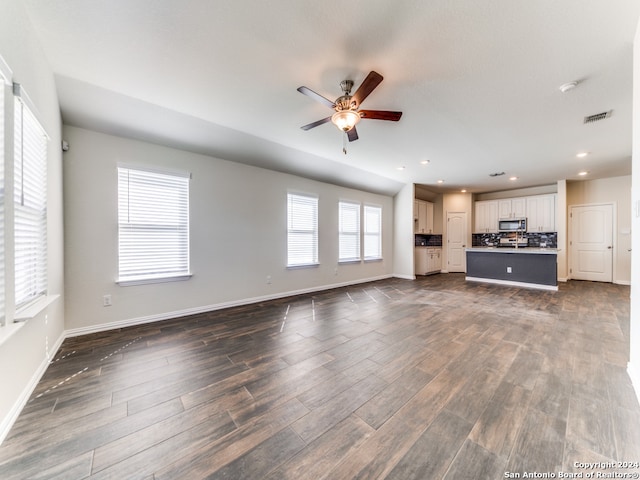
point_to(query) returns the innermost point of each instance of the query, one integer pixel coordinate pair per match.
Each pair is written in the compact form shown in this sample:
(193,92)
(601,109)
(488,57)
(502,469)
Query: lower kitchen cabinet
(428,260)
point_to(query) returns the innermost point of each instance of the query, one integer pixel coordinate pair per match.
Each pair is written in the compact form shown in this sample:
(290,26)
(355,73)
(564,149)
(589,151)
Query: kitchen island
(521,267)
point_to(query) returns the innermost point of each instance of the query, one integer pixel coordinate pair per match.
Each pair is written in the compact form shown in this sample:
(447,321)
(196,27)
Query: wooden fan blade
(371,82)
(352,134)
(316,96)
(315,124)
(380,115)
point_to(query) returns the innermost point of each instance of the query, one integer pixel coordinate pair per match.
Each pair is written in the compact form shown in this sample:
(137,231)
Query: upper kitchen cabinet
(422,216)
(512,208)
(486,218)
(541,213)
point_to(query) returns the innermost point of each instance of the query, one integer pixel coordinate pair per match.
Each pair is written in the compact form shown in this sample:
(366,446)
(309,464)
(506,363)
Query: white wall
(24,354)
(403,238)
(238,234)
(616,190)
(634,363)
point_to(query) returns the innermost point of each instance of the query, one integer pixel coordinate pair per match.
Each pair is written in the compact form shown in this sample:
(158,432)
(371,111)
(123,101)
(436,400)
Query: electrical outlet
(268,279)
(106,301)
(508,269)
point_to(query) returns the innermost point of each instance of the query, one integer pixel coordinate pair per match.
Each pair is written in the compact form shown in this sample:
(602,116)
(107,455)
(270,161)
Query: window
(153,226)
(372,232)
(30,205)
(302,230)
(348,231)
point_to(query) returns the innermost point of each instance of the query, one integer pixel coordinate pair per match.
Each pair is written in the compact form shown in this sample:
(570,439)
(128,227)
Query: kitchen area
(513,241)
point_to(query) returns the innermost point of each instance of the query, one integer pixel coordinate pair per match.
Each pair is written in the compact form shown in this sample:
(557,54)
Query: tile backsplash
(428,240)
(536,239)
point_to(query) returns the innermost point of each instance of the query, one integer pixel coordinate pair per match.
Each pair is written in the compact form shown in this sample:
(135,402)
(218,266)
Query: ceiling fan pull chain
(344,143)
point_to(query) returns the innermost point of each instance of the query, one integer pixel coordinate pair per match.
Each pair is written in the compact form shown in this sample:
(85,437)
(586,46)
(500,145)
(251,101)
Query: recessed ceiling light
(440,181)
(463,190)
(513,178)
(582,174)
(565,87)
(582,154)
(424,162)
(400,168)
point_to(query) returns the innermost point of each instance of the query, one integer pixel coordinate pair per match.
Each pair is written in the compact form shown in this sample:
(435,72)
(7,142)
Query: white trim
(7,422)
(622,282)
(537,286)
(210,308)
(404,277)
(33,309)
(21,94)
(5,71)
(154,169)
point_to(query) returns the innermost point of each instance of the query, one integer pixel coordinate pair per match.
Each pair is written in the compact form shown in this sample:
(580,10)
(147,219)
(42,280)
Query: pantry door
(456,242)
(591,242)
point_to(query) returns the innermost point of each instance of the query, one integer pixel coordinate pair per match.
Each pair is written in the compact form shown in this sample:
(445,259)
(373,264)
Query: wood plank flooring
(427,379)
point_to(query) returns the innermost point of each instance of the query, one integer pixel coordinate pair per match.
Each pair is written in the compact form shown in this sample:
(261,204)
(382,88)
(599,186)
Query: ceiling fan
(346,114)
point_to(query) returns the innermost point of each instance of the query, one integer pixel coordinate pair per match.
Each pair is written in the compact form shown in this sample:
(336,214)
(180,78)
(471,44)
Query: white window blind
(153,225)
(372,232)
(302,230)
(348,231)
(30,206)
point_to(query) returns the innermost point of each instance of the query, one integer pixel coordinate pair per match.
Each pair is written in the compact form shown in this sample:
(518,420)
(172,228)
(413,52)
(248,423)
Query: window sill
(144,281)
(377,259)
(33,309)
(302,265)
(346,262)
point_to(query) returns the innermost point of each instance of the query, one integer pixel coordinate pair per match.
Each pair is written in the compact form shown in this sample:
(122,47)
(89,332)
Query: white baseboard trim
(404,277)
(622,282)
(513,284)
(8,421)
(130,322)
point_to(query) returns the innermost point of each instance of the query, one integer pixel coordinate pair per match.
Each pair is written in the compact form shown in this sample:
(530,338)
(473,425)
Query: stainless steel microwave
(513,225)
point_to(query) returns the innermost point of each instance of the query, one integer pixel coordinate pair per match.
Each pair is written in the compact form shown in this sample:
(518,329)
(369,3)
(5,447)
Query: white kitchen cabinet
(541,213)
(427,260)
(486,218)
(420,261)
(512,208)
(434,260)
(422,216)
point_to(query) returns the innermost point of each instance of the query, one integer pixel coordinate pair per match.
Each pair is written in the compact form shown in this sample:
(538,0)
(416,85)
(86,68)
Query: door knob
(609,247)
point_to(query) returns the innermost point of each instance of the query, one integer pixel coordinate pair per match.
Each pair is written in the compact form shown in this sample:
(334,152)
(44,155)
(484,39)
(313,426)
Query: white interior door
(591,242)
(456,241)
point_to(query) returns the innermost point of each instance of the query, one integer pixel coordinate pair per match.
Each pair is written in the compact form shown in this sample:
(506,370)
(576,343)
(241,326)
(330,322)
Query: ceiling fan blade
(380,115)
(371,82)
(316,96)
(352,134)
(315,124)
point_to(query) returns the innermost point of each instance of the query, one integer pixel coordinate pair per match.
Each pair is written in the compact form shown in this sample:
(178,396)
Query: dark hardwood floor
(396,379)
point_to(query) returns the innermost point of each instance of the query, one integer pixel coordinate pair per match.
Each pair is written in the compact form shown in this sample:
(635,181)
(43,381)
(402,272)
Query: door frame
(614,236)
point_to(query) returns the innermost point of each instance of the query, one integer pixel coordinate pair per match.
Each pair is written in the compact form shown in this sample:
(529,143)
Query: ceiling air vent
(597,117)
(497,174)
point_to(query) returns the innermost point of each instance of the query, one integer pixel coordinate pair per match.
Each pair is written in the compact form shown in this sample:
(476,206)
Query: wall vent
(597,117)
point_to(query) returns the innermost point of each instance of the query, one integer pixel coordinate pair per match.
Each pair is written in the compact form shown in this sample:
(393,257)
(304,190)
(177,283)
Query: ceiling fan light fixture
(345,120)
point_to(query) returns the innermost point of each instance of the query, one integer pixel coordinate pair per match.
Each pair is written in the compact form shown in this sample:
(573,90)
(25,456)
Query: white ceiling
(477,82)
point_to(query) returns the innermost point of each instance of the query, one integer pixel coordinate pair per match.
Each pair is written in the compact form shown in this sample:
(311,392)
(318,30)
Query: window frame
(367,234)
(312,259)
(343,233)
(29,204)
(146,178)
